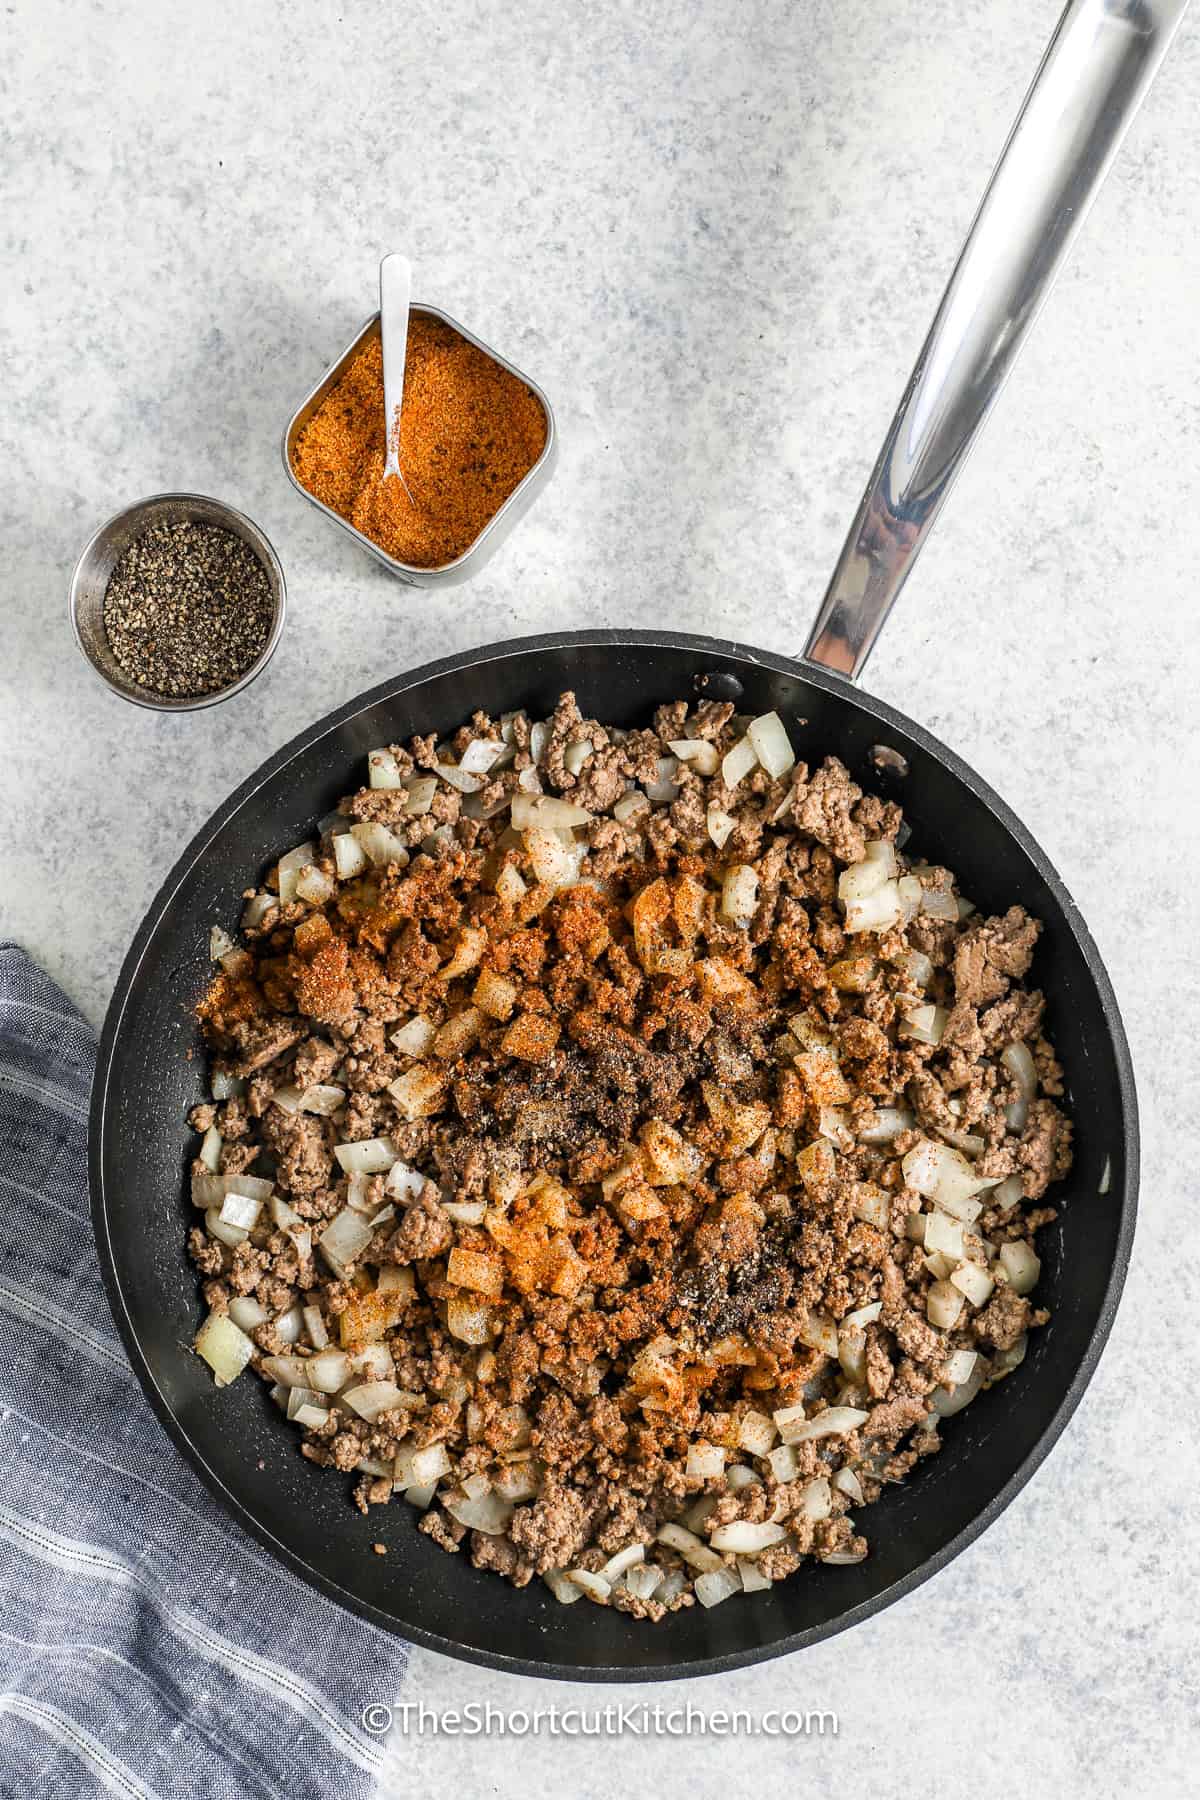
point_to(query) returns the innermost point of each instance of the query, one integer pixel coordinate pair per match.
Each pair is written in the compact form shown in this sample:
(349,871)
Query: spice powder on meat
(470,431)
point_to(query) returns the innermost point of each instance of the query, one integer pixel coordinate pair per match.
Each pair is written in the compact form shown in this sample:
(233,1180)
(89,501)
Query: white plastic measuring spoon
(395,297)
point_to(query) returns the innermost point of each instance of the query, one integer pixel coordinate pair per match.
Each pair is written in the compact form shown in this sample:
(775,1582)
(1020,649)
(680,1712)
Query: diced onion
(698,753)
(847,1482)
(877,911)
(976,1283)
(772,745)
(663,789)
(916,965)
(947,1404)
(414,1038)
(210,1190)
(576,755)
(225,1086)
(468,1320)
(458,778)
(592,1585)
(835,1421)
(241,1210)
(489,1513)
(314,1324)
(747,1539)
(224,1346)
(547,813)
(349,857)
(939,903)
(465,1212)
(1018,1060)
(784,1462)
(219,943)
(418,1093)
(289,868)
(369,1156)
(310,1415)
(944,1234)
(865,1315)
(943,1305)
(969,1142)
(421,791)
(818,1332)
(945,1176)
(422,1495)
(322,1098)
(383,771)
(873,1205)
(555,863)
(229,1235)
(294,1372)
(1010,1192)
(890,1121)
(1021,1266)
(643,1580)
(404,1183)
(861,881)
(481,755)
(565,1591)
(256,910)
(843,1558)
(630,805)
(622,1561)
(756,1433)
(510,885)
(705,1460)
(246,1312)
(210,1149)
(738,762)
(739,1476)
(817,1499)
(315,886)
(959,1367)
(1005,1361)
(373,1398)
(720,826)
(698,1513)
(289,1325)
(344,1238)
(717,1585)
(380,844)
(739,894)
(926,1023)
(753,1579)
(692,1549)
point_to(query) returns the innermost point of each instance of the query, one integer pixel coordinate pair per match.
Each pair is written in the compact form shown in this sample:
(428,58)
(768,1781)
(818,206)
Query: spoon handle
(395,297)
(1101,61)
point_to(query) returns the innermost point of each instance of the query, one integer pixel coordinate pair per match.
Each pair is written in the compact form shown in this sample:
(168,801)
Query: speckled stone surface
(716,235)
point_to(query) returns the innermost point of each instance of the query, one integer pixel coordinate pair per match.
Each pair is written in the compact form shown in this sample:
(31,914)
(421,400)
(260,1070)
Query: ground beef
(553,1529)
(1004,1319)
(637,1177)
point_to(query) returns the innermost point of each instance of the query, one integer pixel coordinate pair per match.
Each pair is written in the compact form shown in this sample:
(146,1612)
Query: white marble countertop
(716,235)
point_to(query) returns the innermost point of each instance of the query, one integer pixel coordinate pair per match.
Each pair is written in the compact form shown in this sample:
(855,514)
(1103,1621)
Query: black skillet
(151,1069)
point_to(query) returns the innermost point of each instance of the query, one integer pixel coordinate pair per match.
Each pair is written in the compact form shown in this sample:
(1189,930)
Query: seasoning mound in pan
(622,1149)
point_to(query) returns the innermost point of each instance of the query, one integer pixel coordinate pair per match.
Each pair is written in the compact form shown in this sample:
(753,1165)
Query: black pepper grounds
(188,608)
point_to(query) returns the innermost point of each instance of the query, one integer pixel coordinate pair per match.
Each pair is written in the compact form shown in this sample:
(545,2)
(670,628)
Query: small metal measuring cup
(501,521)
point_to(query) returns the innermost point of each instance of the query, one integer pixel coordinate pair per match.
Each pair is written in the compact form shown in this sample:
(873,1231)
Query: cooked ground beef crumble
(622,1150)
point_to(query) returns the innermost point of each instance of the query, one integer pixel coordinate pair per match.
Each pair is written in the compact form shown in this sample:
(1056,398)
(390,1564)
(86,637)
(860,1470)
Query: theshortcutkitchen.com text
(615,1719)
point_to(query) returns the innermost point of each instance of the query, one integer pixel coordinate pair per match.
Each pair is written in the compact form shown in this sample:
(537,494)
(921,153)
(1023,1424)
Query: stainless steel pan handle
(1102,58)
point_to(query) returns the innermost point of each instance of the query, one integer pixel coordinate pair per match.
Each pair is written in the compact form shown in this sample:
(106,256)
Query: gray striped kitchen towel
(148,1648)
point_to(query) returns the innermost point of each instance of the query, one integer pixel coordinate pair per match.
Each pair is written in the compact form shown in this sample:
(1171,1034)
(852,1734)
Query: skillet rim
(618,638)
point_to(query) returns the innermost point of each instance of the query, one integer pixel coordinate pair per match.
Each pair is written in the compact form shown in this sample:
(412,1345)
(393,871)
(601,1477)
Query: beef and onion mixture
(622,1151)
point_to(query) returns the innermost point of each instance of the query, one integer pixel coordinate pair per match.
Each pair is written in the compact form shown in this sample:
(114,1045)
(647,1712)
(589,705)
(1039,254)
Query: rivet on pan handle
(1101,61)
